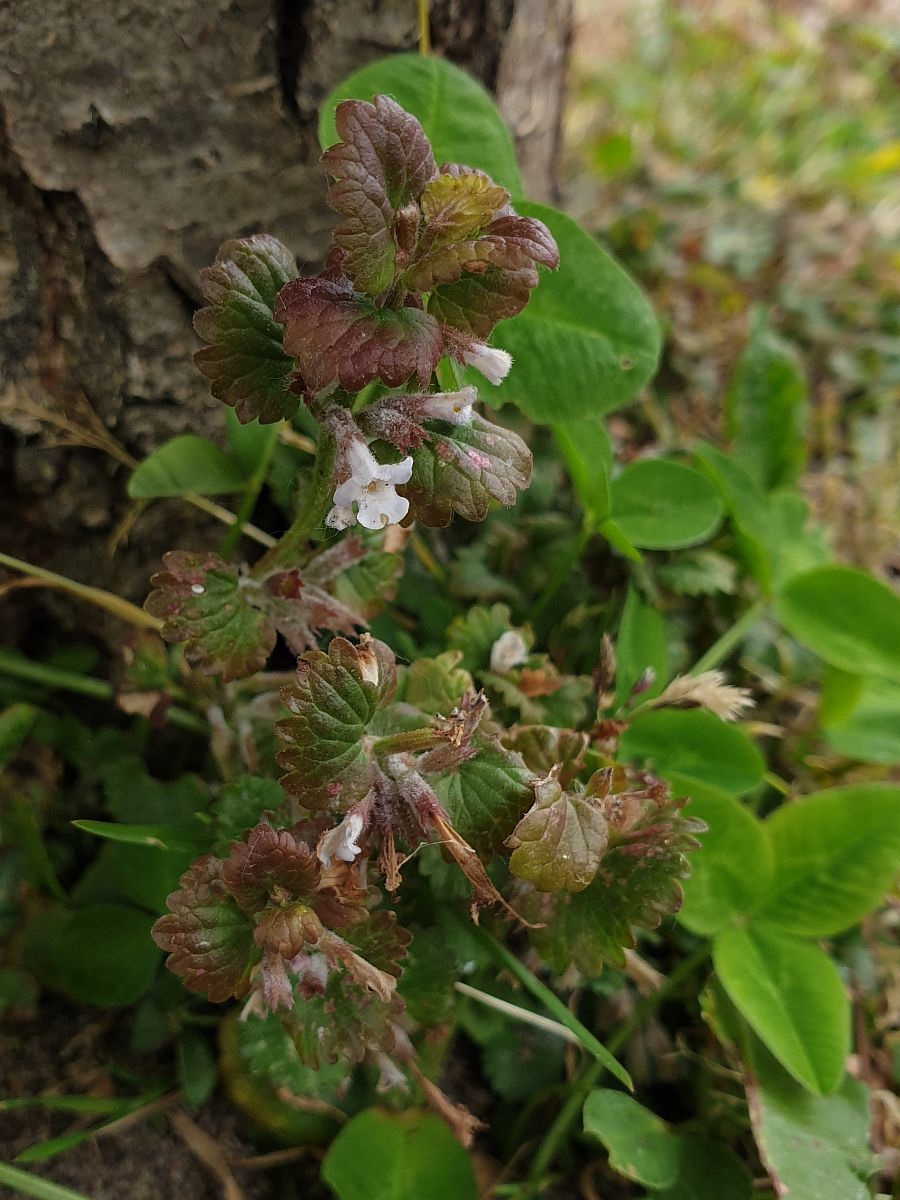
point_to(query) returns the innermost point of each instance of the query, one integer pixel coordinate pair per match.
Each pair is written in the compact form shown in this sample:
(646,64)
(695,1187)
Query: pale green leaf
(694,745)
(639,1144)
(791,995)
(186,464)
(663,505)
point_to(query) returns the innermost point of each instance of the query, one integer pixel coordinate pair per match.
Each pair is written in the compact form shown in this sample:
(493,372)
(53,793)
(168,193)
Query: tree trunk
(136,136)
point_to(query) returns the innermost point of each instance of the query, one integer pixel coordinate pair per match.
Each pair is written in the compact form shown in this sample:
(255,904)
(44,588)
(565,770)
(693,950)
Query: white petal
(364,466)
(346,492)
(455,407)
(341,842)
(381,507)
(400,472)
(508,651)
(340,517)
(494,364)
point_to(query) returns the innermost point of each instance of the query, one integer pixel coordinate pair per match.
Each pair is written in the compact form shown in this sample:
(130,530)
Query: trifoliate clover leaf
(340,336)
(461,468)
(244,360)
(228,619)
(332,702)
(639,882)
(485,796)
(558,844)
(381,164)
(208,938)
(199,597)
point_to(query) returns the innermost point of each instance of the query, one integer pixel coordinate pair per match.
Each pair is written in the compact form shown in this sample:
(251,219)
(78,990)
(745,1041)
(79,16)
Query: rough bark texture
(137,135)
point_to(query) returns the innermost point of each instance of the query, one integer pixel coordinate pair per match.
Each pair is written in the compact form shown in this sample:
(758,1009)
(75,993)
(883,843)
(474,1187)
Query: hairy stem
(289,549)
(123,609)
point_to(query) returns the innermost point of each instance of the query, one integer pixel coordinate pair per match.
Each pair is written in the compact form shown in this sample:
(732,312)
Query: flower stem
(730,639)
(578,1092)
(123,609)
(289,549)
(424,27)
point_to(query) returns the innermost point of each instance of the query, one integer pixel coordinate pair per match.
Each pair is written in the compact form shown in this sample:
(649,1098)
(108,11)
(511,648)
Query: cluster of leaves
(463,755)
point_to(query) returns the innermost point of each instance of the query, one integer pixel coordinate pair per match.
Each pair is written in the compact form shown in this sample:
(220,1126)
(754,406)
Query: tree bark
(136,136)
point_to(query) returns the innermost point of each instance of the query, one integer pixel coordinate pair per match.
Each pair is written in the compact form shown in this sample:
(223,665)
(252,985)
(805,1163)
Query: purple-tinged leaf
(334,698)
(200,599)
(208,939)
(476,302)
(228,620)
(269,859)
(462,468)
(380,166)
(244,360)
(339,337)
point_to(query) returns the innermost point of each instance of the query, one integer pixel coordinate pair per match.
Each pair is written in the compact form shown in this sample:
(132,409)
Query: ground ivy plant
(431,764)
(298,914)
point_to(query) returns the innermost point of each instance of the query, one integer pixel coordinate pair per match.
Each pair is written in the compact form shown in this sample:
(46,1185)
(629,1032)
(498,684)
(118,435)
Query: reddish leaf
(339,336)
(381,164)
(208,939)
(269,859)
(244,361)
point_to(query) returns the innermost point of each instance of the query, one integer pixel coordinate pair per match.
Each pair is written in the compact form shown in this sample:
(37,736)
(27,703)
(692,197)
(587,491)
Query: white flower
(508,651)
(492,363)
(372,488)
(455,407)
(341,842)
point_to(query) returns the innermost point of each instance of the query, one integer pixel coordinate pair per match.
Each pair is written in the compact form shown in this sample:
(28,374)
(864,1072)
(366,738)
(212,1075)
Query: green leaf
(186,464)
(163,837)
(26,1184)
(378,1156)
(732,871)
(241,805)
(474,634)
(790,993)
(104,955)
(521,1061)
(639,1144)
(847,617)
(244,361)
(200,599)
(640,643)
(835,854)
(436,685)
(708,1171)
(135,874)
(461,468)
(766,408)
(587,453)
(640,882)
(334,698)
(459,117)
(16,721)
(560,841)
(870,730)
(588,340)
(195,1066)
(208,939)
(813,1147)
(695,746)
(662,505)
(747,508)
(485,796)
